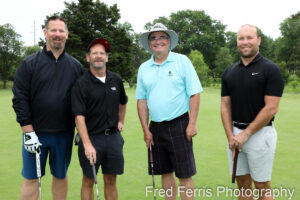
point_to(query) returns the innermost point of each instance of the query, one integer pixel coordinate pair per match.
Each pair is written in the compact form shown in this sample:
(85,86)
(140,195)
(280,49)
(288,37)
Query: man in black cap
(99,105)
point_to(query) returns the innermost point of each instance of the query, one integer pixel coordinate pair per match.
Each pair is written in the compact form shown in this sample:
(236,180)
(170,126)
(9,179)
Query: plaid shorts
(172,151)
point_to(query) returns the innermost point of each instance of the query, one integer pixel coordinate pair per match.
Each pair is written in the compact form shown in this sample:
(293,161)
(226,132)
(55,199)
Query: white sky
(266,14)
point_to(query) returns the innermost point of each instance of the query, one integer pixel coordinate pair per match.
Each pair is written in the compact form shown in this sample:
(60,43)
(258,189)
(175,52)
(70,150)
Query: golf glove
(31,142)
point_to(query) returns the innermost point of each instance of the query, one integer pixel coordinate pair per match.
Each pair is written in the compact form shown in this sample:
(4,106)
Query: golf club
(95,179)
(234,170)
(152,170)
(38,170)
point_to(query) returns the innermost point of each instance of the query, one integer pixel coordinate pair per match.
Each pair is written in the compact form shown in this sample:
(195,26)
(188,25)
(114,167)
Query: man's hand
(31,142)
(191,131)
(240,139)
(148,138)
(90,153)
(120,126)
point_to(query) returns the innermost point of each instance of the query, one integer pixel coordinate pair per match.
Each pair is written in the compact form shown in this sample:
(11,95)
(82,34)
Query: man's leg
(188,186)
(87,192)
(245,184)
(264,190)
(59,188)
(29,190)
(169,184)
(110,187)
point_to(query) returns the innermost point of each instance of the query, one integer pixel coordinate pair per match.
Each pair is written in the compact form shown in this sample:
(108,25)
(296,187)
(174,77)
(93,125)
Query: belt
(109,131)
(241,125)
(166,122)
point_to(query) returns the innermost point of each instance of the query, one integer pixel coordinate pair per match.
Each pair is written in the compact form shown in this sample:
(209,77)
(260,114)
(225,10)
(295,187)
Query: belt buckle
(106,131)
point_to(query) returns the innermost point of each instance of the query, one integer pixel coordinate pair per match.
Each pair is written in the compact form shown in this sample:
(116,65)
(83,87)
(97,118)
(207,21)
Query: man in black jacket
(42,102)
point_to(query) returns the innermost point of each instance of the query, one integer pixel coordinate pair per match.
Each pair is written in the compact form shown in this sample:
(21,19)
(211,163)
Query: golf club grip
(234,165)
(94,173)
(151,154)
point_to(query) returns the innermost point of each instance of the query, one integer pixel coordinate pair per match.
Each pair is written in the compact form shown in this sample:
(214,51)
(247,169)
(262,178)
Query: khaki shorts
(257,155)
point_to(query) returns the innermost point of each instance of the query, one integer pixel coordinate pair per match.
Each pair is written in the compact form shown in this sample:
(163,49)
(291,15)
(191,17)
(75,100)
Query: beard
(57,46)
(95,66)
(249,54)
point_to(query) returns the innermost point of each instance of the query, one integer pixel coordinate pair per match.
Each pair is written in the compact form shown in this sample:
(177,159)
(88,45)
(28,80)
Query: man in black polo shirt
(99,105)
(251,91)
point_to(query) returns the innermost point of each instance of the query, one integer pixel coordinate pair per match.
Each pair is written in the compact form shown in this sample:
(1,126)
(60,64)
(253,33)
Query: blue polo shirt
(167,87)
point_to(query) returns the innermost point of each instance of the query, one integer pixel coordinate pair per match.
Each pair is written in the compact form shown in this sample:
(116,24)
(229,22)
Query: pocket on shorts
(271,137)
(121,138)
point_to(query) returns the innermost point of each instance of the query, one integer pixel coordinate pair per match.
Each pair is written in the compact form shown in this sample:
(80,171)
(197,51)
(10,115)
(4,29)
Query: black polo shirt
(248,85)
(98,102)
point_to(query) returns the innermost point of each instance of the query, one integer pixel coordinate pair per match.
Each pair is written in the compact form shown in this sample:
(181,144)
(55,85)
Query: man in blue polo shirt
(167,88)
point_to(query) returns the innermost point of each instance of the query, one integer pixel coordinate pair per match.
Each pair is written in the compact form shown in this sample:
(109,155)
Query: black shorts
(109,154)
(172,151)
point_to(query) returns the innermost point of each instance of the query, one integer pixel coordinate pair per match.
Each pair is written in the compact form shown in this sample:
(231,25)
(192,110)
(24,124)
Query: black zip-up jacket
(42,91)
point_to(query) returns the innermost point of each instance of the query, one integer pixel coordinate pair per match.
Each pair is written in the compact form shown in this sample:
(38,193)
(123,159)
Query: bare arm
(226,116)
(122,111)
(89,149)
(191,129)
(262,118)
(27,128)
(143,113)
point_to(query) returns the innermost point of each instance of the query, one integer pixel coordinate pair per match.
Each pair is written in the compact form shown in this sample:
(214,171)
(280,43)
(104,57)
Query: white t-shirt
(102,79)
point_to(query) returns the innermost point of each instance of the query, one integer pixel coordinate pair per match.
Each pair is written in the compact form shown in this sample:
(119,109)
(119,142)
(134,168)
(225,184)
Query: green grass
(209,146)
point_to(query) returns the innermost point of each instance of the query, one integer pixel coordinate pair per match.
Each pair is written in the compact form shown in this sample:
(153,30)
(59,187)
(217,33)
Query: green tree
(223,60)
(28,50)
(87,20)
(197,31)
(201,67)
(289,43)
(10,51)
(284,71)
(232,45)
(266,47)
(140,56)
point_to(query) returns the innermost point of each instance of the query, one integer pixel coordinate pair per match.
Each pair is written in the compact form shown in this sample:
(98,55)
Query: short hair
(253,26)
(53,18)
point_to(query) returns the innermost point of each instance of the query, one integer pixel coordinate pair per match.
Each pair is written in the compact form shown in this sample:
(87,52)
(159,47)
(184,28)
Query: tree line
(203,39)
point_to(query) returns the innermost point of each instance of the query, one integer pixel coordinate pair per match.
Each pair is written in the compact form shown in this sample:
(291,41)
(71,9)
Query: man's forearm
(226,116)
(194,108)
(122,112)
(82,129)
(265,115)
(27,128)
(143,113)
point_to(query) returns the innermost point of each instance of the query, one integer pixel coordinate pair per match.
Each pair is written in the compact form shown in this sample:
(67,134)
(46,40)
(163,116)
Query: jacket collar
(50,54)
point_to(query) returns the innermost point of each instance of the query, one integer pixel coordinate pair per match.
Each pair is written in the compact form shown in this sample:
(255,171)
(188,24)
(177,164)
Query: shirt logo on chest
(170,73)
(113,88)
(254,73)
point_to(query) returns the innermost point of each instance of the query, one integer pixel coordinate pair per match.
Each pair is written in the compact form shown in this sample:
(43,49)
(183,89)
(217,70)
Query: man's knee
(169,176)
(29,182)
(110,180)
(262,185)
(87,182)
(186,181)
(244,181)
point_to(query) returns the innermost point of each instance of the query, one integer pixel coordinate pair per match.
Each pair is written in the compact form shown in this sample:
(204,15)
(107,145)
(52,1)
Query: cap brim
(173,39)
(99,41)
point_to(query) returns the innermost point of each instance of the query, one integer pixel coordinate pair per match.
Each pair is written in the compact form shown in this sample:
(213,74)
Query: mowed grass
(209,146)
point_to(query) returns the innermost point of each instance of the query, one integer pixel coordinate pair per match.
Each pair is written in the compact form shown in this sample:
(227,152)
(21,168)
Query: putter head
(77,139)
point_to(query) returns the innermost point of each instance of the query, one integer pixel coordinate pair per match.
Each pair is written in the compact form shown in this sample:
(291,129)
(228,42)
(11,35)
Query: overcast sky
(266,14)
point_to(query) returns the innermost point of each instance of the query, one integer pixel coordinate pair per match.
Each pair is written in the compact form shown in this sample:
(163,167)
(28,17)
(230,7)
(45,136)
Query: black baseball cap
(99,41)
